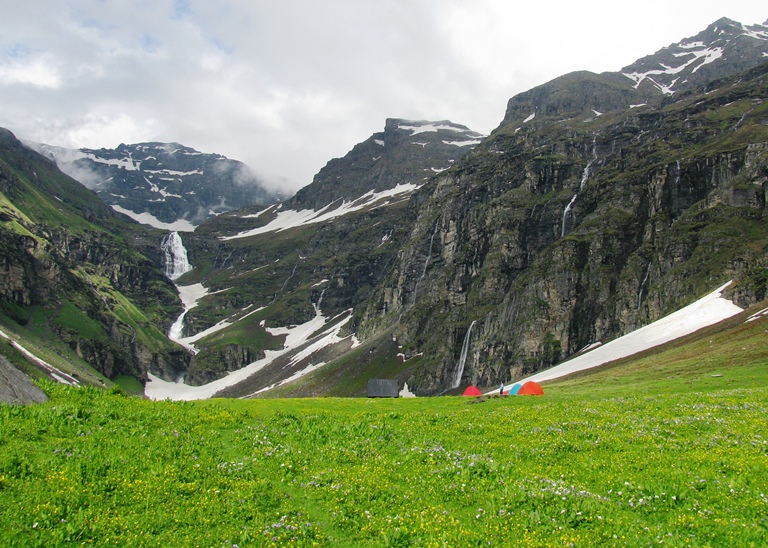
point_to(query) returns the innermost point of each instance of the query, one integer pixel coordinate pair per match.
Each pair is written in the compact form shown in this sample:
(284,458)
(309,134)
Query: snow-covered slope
(706,311)
(165,185)
(301,342)
(283,219)
(725,46)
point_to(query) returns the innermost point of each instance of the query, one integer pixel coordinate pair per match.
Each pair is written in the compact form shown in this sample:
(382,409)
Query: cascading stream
(176,264)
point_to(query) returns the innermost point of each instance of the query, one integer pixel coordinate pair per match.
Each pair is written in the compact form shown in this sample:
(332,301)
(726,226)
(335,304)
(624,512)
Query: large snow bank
(289,218)
(706,311)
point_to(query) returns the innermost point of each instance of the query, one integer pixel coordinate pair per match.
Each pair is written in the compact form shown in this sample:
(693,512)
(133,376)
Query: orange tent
(472,391)
(531,388)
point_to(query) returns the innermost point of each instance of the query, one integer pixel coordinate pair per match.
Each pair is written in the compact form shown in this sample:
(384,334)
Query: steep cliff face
(66,271)
(562,230)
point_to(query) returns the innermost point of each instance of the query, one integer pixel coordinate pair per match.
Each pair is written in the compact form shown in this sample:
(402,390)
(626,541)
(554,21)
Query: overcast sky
(287,85)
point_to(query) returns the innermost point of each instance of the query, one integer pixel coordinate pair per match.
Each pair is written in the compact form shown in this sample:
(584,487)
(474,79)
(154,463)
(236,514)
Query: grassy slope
(653,450)
(42,200)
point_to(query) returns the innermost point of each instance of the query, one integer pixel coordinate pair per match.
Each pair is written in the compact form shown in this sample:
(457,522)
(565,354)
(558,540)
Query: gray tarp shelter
(382,388)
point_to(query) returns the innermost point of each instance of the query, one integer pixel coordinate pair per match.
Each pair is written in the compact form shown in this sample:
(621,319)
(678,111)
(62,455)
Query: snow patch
(287,219)
(182,225)
(405,392)
(126,163)
(704,54)
(462,143)
(708,310)
(52,370)
(428,128)
(757,315)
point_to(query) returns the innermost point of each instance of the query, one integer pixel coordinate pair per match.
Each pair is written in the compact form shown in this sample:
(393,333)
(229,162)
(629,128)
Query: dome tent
(515,389)
(530,388)
(472,391)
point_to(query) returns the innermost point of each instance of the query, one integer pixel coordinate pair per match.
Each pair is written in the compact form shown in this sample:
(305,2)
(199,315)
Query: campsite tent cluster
(530,388)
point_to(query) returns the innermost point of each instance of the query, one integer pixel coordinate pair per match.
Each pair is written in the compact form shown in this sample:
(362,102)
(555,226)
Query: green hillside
(666,449)
(76,286)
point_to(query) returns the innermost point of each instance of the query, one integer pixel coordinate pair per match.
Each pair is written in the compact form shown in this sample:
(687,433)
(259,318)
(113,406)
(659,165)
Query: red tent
(472,391)
(530,388)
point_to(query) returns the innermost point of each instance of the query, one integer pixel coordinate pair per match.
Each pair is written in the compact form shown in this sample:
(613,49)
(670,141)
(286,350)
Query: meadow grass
(618,460)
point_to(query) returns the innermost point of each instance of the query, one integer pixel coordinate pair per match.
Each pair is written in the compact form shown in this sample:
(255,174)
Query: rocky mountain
(436,256)
(724,48)
(74,283)
(166,185)
(564,232)
(319,254)
(406,152)
(602,202)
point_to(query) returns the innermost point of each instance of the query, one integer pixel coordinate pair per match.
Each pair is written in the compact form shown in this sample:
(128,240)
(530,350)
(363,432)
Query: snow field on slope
(296,336)
(707,311)
(292,218)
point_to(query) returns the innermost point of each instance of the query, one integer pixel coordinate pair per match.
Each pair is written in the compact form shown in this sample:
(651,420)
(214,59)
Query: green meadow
(667,449)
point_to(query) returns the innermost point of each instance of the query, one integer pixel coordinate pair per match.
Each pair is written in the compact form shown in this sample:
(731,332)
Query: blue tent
(513,391)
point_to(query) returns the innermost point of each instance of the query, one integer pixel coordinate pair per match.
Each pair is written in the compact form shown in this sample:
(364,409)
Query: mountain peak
(407,152)
(166,185)
(724,48)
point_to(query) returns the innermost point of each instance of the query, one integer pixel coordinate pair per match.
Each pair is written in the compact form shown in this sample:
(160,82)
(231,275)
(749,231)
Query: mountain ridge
(166,185)
(596,207)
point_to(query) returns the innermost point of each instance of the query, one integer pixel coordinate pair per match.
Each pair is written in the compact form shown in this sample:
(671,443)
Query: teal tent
(513,391)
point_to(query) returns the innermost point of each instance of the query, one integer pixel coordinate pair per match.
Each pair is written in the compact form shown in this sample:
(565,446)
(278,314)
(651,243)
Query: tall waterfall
(584,178)
(426,263)
(463,357)
(175,255)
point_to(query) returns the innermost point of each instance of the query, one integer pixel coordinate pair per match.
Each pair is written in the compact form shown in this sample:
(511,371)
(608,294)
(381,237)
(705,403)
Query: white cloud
(286,86)
(38,71)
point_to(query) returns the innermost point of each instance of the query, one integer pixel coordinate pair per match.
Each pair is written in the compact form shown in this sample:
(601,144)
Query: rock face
(16,387)
(170,181)
(67,269)
(565,230)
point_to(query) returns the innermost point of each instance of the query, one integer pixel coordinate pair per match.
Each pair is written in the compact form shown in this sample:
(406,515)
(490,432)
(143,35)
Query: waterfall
(426,263)
(463,357)
(177,329)
(584,178)
(566,211)
(320,300)
(175,255)
(642,285)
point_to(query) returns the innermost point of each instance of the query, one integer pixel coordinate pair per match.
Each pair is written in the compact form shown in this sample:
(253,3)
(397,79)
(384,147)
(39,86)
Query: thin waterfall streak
(463,357)
(566,211)
(584,178)
(320,300)
(642,286)
(291,276)
(426,263)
